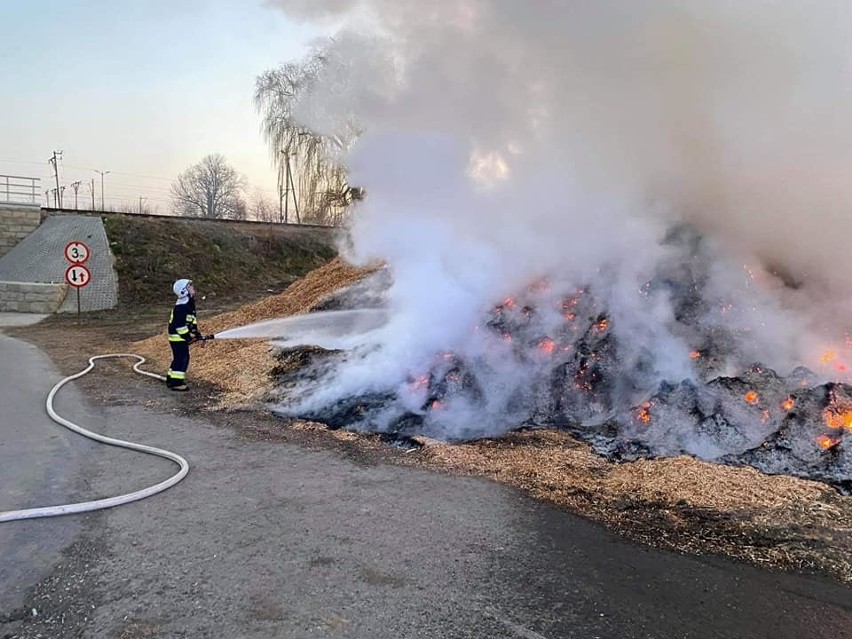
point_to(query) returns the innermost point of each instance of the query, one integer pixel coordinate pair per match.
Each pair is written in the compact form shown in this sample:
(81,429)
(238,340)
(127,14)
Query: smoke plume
(541,149)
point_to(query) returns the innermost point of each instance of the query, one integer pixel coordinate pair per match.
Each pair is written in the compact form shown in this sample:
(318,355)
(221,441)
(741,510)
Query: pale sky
(140,88)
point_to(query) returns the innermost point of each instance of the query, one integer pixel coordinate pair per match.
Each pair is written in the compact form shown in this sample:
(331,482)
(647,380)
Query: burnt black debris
(579,374)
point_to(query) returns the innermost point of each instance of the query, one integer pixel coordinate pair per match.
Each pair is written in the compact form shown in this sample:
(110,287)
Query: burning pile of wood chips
(679,503)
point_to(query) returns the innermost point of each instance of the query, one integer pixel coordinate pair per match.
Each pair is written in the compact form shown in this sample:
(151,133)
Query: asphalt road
(275,540)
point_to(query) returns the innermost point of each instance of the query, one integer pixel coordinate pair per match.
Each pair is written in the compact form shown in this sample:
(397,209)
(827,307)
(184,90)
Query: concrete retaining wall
(28,297)
(16,222)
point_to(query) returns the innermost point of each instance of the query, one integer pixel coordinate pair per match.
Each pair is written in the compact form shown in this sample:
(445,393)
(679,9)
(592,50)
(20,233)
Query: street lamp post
(102,174)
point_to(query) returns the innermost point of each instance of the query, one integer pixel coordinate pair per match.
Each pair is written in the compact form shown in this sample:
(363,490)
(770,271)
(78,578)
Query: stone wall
(29,297)
(16,222)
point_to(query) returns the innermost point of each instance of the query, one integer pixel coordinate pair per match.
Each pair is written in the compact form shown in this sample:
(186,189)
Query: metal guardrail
(17,189)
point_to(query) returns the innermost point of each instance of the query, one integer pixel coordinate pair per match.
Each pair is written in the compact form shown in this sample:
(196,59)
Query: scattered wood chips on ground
(241,367)
(679,503)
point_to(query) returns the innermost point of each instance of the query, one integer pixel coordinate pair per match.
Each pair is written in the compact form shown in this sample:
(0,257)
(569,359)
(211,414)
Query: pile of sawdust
(241,367)
(679,503)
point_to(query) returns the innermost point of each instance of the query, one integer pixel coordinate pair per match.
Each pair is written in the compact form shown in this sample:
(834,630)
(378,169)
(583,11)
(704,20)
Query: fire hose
(109,502)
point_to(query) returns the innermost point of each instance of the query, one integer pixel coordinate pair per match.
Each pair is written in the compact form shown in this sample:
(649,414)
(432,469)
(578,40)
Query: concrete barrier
(30,297)
(17,221)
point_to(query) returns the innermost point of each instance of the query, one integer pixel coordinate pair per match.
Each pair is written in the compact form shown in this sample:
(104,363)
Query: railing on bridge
(16,189)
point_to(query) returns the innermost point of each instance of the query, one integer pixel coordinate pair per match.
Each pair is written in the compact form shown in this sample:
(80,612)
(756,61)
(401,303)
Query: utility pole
(57,155)
(47,198)
(55,198)
(289,186)
(286,187)
(102,174)
(93,193)
(140,203)
(292,182)
(76,187)
(282,193)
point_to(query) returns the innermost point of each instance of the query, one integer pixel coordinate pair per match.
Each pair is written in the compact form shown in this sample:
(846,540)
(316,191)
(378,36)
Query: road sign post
(77,275)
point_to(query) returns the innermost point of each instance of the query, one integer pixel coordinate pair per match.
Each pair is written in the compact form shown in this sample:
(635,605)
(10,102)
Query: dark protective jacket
(183,325)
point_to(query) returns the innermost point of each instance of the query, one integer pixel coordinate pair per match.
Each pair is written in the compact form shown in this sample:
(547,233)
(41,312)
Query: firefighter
(183,331)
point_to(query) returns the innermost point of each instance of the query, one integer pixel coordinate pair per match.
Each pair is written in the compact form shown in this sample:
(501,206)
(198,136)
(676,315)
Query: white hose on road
(109,502)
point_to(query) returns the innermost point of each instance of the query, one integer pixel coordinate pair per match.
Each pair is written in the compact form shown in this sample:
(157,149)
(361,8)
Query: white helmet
(180,288)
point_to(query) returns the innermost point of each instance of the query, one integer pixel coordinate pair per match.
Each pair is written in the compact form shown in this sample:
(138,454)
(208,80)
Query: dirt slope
(227,260)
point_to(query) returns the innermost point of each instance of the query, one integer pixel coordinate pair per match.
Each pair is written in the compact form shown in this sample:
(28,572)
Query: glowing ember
(695,354)
(751,397)
(643,413)
(827,357)
(788,404)
(436,405)
(507,337)
(509,303)
(837,419)
(547,345)
(420,382)
(570,316)
(825,442)
(601,326)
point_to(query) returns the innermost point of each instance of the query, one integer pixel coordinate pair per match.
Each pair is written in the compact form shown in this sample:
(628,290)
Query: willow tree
(311,182)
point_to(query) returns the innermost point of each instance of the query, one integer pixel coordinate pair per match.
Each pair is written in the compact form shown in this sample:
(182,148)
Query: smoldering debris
(551,358)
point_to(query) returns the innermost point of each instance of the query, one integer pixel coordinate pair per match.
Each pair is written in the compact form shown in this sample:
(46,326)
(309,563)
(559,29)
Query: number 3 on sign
(76,252)
(77,275)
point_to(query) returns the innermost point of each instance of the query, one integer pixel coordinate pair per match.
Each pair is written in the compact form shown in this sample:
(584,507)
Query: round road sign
(77,275)
(76,252)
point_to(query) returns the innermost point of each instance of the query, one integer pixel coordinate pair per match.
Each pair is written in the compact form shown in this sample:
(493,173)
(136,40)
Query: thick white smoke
(505,142)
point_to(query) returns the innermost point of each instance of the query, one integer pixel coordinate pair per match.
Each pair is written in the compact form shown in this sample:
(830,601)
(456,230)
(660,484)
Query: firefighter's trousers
(179,365)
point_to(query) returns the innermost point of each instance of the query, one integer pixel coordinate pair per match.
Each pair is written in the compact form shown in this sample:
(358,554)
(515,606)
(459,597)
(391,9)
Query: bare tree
(211,189)
(303,157)
(263,208)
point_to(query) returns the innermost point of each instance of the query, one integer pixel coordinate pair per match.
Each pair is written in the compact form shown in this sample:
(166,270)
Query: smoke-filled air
(596,213)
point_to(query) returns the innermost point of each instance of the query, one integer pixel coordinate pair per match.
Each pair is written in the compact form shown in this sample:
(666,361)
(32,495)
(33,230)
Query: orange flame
(547,345)
(509,303)
(788,404)
(695,354)
(838,420)
(751,397)
(825,442)
(601,326)
(570,316)
(643,413)
(436,405)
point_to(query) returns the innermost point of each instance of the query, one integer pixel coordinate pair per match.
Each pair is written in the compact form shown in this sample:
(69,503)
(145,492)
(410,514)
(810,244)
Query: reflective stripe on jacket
(182,322)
